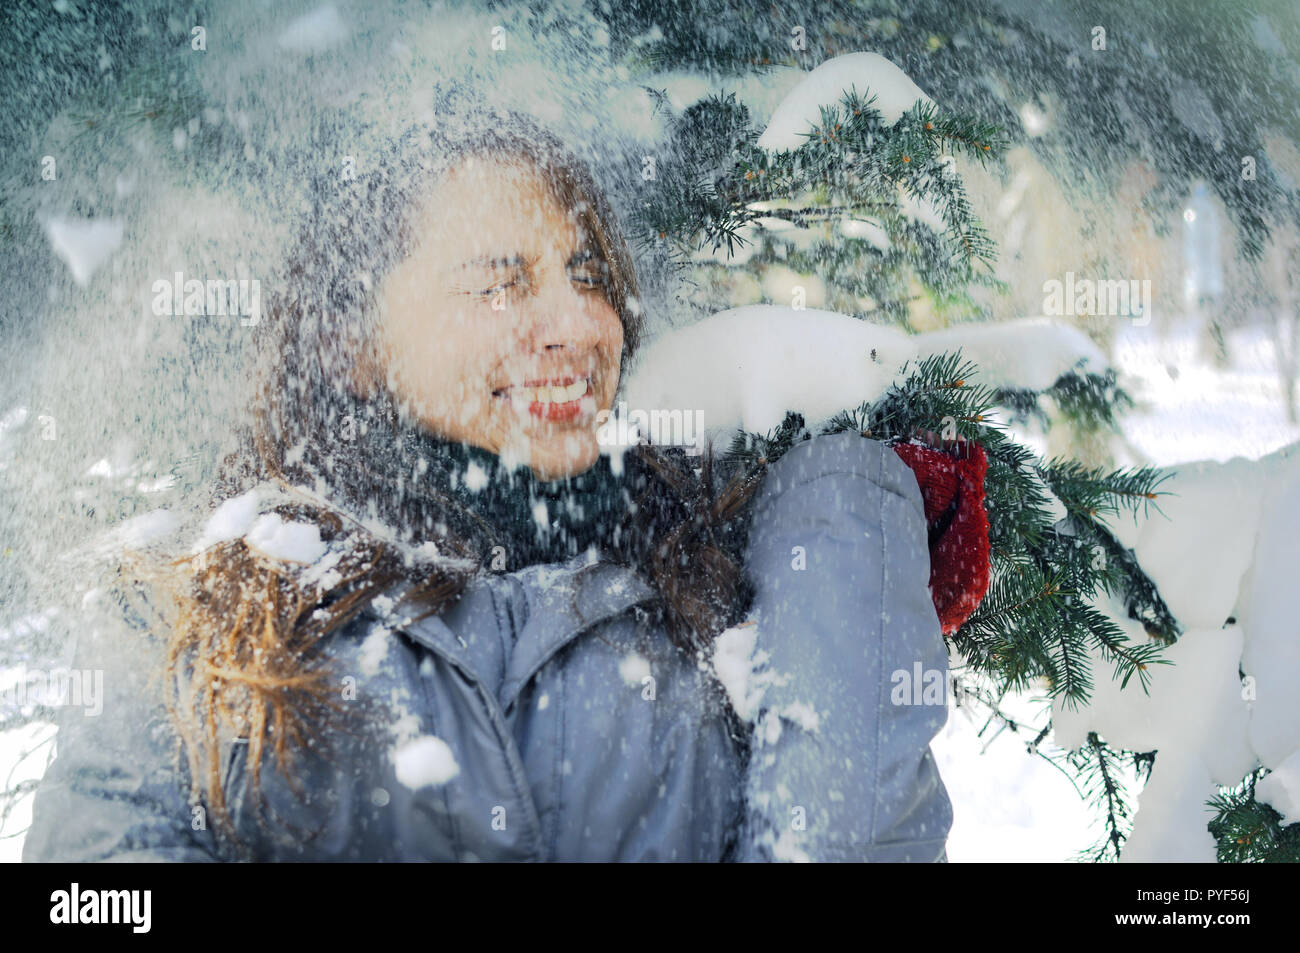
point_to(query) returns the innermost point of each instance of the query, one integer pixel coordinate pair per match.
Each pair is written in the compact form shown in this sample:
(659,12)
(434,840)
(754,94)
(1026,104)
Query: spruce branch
(849,164)
(1036,620)
(1101,769)
(1247,831)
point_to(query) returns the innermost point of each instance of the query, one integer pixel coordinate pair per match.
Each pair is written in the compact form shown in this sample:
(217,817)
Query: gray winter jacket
(592,738)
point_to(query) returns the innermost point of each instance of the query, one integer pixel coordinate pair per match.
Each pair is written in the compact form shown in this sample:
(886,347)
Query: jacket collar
(561,603)
(552,604)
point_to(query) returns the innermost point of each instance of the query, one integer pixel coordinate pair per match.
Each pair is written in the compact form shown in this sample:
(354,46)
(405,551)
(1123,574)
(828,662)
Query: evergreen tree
(1194,86)
(1037,621)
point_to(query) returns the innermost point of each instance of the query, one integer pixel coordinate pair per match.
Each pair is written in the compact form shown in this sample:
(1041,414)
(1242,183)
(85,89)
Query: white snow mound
(870,73)
(747,366)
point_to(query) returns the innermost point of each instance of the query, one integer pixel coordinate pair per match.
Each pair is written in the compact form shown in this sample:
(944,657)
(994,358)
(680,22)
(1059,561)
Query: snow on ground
(1195,410)
(23,754)
(1008,805)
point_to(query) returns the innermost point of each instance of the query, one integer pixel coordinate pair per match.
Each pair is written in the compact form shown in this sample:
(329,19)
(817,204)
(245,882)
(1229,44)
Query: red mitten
(952,488)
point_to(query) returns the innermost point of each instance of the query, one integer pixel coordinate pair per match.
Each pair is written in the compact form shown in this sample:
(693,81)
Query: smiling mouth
(560,398)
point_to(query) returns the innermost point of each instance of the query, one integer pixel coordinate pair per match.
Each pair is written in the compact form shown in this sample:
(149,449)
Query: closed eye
(590,272)
(504,272)
(497,288)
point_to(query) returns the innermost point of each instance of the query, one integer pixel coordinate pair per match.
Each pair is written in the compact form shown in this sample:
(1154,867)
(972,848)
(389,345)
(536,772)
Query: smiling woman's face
(498,330)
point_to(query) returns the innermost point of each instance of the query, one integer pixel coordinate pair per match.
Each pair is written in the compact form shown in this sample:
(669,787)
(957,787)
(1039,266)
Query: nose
(556,317)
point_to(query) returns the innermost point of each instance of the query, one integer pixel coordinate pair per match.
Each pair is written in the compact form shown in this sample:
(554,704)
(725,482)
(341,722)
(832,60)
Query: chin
(554,463)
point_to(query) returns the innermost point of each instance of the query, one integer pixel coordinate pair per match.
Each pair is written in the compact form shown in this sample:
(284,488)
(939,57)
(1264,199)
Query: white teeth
(552,395)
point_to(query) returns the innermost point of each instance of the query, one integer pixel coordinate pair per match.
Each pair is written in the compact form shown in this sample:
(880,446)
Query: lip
(547,410)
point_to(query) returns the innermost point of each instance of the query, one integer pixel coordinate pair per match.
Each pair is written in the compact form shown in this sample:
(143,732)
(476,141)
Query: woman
(431,620)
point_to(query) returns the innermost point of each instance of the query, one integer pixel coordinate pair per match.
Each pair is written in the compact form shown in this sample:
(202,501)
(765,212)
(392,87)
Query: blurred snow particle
(141,530)
(1033,119)
(803,715)
(374,650)
(83,245)
(734,661)
(787,849)
(288,542)
(229,520)
(476,477)
(313,32)
(633,669)
(425,761)
(426,552)
(869,231)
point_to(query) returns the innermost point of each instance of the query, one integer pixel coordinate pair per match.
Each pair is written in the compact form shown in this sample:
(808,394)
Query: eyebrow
(488,261)
(581,256)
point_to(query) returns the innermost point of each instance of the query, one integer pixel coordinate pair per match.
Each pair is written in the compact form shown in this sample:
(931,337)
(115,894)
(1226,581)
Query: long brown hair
(244,642)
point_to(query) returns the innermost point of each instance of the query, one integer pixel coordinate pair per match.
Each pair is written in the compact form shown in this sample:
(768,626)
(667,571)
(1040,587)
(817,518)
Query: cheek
(613,354)
(611,332)
(456,340)
(431,359)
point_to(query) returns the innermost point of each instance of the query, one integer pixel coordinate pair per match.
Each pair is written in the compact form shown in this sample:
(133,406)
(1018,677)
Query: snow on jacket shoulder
(592,737)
